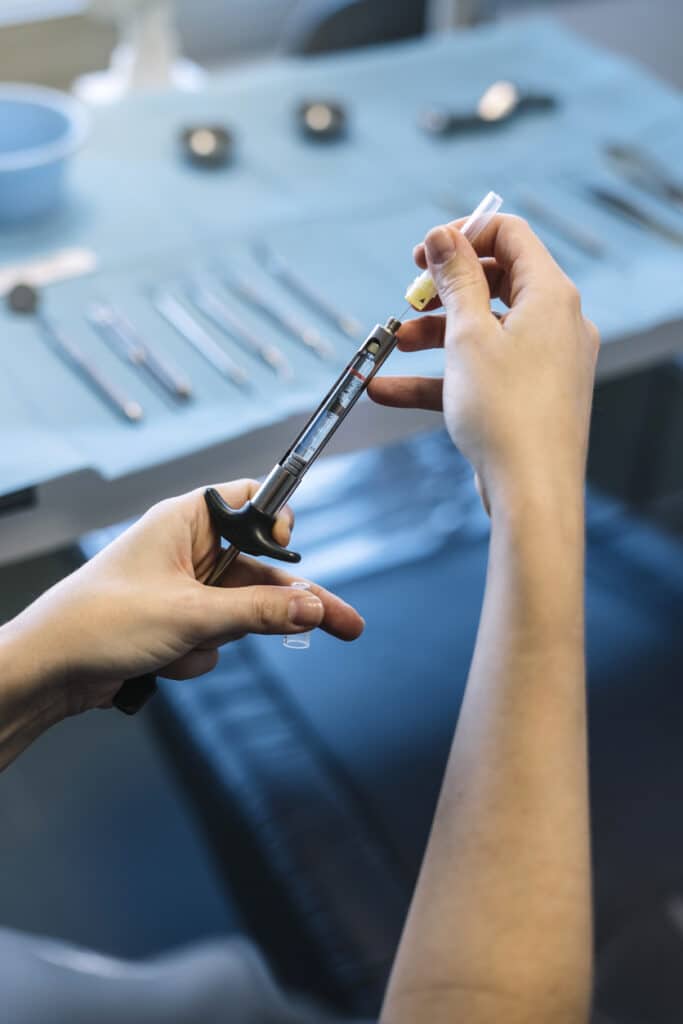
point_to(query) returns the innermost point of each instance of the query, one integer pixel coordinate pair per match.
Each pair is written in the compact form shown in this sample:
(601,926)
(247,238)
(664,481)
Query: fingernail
(440,245)
(305,610)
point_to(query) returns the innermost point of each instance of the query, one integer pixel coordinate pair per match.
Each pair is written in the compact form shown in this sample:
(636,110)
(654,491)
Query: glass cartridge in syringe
(354,380)
(249,525)
(335,406)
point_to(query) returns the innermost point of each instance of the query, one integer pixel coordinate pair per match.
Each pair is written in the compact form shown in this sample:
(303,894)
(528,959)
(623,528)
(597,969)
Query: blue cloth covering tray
(345,214)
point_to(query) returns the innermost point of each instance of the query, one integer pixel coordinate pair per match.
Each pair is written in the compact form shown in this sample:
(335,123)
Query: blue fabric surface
(348,214)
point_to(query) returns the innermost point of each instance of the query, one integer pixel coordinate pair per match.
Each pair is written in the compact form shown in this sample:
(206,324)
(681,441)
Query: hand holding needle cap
(511,387)
(423,290)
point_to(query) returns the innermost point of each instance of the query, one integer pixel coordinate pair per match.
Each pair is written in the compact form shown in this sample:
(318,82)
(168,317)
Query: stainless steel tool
(174,313)
(642,170)
(121,336)
(576,234)
(630,211)
(309,296)
(304,334)
(204,293)
(499,103)
(62,344)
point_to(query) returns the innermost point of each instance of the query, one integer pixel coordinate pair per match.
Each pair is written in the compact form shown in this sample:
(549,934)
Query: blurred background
(53,41)
(288,797)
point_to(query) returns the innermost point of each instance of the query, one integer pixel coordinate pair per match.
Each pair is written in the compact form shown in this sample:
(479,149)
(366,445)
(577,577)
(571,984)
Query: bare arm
(138,607)
(500,924)
(31,699)
(499,927)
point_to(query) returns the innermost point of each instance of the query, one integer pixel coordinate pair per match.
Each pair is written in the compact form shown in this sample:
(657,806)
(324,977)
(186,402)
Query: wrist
(556,510)
(538,500)
(538,535)
(541,521)
(29,667)
(31,697)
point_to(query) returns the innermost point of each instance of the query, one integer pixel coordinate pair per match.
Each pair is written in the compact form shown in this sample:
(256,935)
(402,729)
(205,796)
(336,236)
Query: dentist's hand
(139,607)
(517,391)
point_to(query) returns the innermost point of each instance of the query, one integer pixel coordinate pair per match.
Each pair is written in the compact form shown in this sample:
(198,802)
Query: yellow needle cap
(423,290)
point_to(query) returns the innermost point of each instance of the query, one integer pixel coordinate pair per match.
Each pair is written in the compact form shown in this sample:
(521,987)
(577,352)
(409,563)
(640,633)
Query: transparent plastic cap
(298,641)
(423,289)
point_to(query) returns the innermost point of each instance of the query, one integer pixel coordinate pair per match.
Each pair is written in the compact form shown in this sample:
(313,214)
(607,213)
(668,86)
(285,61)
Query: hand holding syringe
(250,529)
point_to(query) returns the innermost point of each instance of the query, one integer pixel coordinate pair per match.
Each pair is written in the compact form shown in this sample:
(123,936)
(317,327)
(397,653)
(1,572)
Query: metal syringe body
(284,478)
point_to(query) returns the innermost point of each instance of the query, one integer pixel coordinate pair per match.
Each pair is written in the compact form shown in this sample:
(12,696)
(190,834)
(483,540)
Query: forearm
(500,921)
(31,699)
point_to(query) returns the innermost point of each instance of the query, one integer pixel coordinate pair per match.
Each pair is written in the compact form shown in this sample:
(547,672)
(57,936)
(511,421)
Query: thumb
(457,273)
(239,610)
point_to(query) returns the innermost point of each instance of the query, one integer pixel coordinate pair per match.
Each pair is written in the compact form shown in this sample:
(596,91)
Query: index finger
(341,619)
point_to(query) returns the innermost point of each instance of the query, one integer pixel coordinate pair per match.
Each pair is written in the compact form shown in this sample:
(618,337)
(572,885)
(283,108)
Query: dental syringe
(250,529)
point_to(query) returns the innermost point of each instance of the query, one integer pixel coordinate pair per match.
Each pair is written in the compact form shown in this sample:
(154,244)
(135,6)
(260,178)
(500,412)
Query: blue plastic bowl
(39,130)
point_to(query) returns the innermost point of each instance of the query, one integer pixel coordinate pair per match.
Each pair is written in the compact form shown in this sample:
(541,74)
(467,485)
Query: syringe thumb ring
(247,528)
